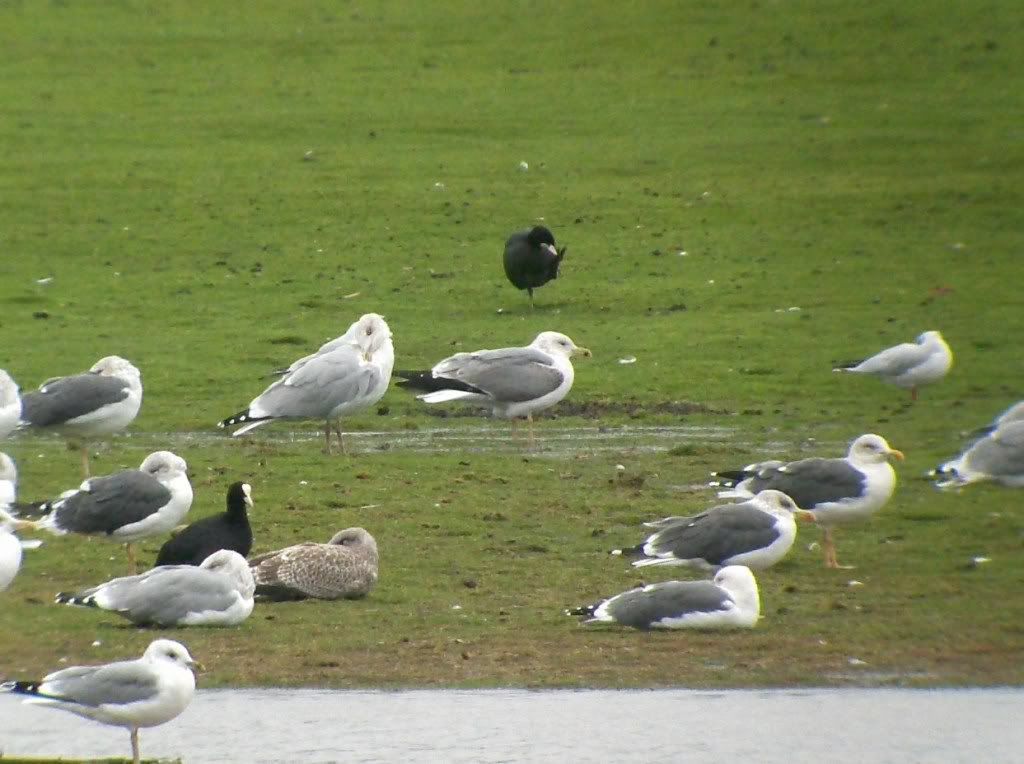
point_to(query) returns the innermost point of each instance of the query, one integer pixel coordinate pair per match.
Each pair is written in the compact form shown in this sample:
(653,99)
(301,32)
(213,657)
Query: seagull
(908,365)
(8,481)
(512,382)
(99,402)
(10,550)
(127,506)
(730,600)
(349,376)
(217,593)
(142,693)
(531,259)
(998,457)
(756,533)
(344,567)
(835,491)
(10,405)
(228,530)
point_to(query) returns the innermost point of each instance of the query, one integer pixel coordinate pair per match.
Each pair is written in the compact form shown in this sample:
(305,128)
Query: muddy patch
(595,409)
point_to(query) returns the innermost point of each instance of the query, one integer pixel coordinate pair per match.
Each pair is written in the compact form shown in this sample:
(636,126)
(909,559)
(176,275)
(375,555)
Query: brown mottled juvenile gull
(10,405)
(87,406)
(343,568)
(133,694)
(345,376)
(217,593)
(127,506)
(730,600)
(836,491)
(909,364)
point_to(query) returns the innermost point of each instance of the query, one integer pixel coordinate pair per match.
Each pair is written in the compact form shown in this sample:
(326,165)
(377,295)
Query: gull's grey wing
(1001,453)
(509,375)
(163,596)
(640,608)
(114,684)
(327,347)
(319,385)
(810,482)
(716,535)
(66,398)
(111,502)
(894,361)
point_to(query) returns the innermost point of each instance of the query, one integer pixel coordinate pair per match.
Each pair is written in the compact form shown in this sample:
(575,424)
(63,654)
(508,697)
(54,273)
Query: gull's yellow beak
(196,665)
(582,351)
(896,453)
(805,515)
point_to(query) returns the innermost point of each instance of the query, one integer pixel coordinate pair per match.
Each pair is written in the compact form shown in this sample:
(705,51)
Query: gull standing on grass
(10,405)
(344,377)
(217,593)
(730,600)
(835,491)
(909,364)
(88,406)
(127,506)
(512,382)
(133,694)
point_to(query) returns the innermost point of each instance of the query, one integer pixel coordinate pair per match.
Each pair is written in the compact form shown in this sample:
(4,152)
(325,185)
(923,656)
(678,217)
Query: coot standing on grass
(531,259)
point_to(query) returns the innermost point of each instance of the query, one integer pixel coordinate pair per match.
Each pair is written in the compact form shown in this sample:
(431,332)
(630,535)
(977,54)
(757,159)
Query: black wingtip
(630,553)
(583,611)
(240,418)
(22,688)
(69,598)
(32,509)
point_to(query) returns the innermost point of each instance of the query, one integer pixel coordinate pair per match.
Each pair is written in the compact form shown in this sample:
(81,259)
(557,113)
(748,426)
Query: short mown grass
(749,192)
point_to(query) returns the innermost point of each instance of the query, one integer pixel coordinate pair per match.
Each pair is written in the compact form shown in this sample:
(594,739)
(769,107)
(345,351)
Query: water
(491,726)
(489,438)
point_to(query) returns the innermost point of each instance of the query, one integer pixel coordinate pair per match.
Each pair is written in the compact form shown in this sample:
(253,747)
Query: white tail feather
(250,426)
(440,396)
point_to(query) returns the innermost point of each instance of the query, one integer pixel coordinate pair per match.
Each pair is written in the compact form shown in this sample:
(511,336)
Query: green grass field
(215,190)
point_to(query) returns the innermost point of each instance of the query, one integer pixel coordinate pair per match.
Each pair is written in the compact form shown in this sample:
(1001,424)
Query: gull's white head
(8,389)
(556,342)
(370,334)
(742,587)
(872,449)
(930,338)
(169,651)
(353,538)
(163,464)
(116,366)
(779,503)
(231,564)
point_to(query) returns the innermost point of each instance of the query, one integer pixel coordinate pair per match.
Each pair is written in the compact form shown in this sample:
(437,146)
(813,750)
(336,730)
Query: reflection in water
(847,725)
